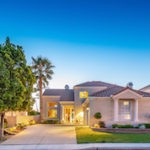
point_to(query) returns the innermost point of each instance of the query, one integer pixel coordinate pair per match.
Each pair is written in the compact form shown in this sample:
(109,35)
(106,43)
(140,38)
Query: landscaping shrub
(147,125)
(50,122)
(101,124)
(114,125)
(97,115)
(33,113)
(20,126)
(5,123)
(122,126)
(32,122)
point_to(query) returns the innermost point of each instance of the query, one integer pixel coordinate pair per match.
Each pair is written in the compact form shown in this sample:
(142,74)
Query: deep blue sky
(86,40)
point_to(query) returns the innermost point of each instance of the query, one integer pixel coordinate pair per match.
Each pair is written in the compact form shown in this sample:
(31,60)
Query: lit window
(52,113)
(83,94)
(125,103)
(127,116)
(52,104)
(125,110)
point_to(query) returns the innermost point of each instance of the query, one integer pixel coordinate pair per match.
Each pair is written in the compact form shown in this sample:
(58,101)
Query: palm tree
(42,68)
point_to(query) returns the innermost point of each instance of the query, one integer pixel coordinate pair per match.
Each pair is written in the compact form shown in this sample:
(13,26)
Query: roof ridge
(88,82)
(57,89)
(107,89)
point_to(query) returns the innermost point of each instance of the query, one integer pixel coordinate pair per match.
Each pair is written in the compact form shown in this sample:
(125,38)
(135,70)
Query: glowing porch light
(80,114)
(87,108)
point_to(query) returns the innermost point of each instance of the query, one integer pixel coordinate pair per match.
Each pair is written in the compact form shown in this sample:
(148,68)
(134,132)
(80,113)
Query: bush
(33,113)
(101,124)
(32,122)
(5,123)
(114,125)
(50,122)
(147,125)
(122,126)
(97,115)
(20,126)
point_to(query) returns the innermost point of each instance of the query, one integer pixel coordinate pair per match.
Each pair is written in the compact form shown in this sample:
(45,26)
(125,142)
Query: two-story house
(117,104)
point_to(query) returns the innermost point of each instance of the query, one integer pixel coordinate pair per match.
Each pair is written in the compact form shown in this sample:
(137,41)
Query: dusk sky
(87,40)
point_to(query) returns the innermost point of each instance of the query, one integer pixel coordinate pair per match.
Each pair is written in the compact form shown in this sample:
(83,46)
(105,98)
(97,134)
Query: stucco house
(117,104)
(146,89)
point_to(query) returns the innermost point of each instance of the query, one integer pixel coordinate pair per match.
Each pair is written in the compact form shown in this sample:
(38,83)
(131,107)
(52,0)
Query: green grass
(87,135)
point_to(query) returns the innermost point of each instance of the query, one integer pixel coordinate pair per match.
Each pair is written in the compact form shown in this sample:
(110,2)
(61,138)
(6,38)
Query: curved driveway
(44,134)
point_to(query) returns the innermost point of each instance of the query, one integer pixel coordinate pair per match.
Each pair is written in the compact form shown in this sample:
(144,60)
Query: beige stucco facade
(78,101)
(127,106)
(140,108)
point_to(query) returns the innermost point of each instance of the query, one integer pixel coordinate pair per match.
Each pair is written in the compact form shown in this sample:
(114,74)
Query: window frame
(85,93)
(52,108)
(125,110)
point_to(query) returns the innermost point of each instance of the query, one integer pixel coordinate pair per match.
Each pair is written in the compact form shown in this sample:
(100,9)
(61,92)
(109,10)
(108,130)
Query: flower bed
(120,130)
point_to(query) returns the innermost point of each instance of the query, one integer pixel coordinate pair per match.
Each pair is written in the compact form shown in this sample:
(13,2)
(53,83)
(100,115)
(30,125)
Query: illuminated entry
(83,94)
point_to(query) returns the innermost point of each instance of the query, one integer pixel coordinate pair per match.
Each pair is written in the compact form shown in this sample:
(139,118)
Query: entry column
(62,111)
(115,110)
(136,110)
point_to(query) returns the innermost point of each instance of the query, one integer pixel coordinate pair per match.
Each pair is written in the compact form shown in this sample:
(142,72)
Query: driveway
(44,134)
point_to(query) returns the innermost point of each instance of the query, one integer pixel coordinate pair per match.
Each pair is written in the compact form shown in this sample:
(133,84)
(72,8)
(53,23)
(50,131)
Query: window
(52,110)
(52,104)
(125,110)
(52,113)
(83,94)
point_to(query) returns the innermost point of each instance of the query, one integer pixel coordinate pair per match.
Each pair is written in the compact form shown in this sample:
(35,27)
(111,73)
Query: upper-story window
(83,94)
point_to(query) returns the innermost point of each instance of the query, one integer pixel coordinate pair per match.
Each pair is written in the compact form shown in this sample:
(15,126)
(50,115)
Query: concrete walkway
(44,134)
(101,146)
(50,137)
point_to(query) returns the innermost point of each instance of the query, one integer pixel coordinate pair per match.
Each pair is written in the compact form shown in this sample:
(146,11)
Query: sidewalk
(98,146)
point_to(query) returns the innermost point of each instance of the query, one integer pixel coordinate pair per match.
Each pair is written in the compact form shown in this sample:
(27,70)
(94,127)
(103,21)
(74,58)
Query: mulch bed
(125,130)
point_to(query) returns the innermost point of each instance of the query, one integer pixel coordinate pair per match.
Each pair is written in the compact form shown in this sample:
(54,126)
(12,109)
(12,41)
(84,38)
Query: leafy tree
(16,81)
(42,68)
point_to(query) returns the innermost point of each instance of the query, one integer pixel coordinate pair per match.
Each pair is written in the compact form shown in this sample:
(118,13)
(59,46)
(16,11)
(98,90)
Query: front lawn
(87,135)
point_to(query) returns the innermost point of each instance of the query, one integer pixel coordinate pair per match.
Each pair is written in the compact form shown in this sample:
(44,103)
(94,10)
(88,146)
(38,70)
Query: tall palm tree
(42,68)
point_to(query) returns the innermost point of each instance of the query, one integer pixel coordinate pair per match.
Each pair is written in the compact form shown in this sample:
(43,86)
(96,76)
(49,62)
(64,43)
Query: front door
(68,115)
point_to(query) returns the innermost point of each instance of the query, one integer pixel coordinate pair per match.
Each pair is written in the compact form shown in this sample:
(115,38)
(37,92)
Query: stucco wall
(78,101)
(47,99)
(14,120)
(146,90)
(104,106)
(144,110)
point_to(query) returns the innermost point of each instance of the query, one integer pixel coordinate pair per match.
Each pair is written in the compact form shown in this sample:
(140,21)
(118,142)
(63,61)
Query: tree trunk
(41,107)
(2,126)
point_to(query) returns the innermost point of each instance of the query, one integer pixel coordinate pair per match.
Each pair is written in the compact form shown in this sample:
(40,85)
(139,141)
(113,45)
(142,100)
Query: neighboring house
(117,104)
(146,89)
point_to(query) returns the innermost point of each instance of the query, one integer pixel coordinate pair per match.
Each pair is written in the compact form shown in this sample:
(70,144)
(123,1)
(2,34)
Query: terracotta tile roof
(95,83)
(115,90)
(65,94)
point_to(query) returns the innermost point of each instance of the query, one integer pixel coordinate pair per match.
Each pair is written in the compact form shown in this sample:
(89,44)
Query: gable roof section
(65,94)
(94,83)
(116,90)
(146,87)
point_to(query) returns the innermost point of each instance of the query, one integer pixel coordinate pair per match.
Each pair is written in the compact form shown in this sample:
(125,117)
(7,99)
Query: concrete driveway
(44,134)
